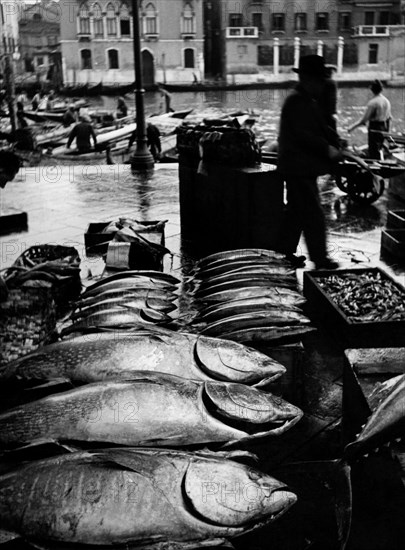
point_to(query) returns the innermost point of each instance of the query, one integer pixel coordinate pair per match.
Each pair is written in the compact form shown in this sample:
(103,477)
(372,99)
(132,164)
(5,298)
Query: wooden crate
(393,242)
(96,242)
(396,219)
(350,333)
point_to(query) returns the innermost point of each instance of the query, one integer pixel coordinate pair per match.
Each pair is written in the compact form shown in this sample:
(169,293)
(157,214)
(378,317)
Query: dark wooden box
(396,219)
(96,242)
(393,242)
(350,333)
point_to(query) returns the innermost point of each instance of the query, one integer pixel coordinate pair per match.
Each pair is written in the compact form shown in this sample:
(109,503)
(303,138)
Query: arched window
(125,25)
(189,58)
(150,24)
(113,62)
(86,62)
(98,23)
(111,21)
(188,20)
(84,19)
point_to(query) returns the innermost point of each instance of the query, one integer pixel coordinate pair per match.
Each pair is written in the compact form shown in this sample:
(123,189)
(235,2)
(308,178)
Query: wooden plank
(377,360)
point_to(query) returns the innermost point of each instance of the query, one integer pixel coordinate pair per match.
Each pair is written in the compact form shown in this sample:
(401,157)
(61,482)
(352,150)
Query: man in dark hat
(378,116)
(307,148)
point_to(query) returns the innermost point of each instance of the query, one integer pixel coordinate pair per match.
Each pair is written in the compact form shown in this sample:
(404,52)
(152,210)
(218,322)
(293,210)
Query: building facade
(97,41)
(256,34)
(39,30)
(9,40)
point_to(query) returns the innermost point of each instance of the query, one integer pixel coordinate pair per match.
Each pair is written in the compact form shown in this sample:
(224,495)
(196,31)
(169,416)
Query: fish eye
(253,475)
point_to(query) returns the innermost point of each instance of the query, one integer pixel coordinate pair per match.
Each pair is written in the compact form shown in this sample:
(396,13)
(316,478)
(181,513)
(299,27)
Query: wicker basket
(61,263)
(27,320)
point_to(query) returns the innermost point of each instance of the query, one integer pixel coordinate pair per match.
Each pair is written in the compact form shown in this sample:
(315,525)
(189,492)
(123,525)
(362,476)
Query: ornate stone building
(97,41)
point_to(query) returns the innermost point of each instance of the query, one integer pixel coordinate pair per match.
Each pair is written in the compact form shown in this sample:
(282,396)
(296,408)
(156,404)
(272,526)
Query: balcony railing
(372,30)
(242,32)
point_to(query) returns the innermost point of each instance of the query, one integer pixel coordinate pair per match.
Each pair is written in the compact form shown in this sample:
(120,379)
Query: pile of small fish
(125,300)
(366,296)
(248,295)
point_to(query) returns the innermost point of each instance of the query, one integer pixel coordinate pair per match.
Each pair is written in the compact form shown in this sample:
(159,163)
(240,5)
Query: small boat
(119,89)
(43,116)
(53,136)
(222,85)
(103,140)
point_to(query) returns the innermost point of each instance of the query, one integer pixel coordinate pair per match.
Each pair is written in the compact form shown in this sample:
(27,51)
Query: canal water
(266,105)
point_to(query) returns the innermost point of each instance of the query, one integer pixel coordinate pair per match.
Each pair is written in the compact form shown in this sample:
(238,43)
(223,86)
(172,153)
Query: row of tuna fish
(248,295)
(139,390)
(124,300)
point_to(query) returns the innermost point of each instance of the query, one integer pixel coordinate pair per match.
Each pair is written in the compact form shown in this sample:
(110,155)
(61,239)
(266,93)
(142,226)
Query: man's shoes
(327,263)
(296,261)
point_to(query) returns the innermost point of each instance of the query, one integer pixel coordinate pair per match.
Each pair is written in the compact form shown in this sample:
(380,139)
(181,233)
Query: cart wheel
(363,187)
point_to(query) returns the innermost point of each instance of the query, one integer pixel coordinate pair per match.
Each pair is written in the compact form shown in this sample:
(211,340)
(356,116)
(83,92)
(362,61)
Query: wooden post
(142,158)
(276,56)
(10,89)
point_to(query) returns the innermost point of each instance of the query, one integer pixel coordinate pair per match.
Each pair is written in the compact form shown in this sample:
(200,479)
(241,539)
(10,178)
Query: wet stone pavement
(62,200)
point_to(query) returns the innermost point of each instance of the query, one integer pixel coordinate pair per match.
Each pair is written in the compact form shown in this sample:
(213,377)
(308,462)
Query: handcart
(362,179)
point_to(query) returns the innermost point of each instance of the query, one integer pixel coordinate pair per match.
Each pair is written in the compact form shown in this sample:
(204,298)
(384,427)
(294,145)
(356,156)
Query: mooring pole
(142,158)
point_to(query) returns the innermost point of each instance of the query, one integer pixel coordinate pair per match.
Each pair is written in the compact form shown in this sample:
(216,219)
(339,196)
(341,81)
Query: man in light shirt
(378,117)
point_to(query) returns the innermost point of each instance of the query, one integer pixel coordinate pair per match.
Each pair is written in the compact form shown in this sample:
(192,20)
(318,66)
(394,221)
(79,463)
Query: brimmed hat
(85,118)
(312,65)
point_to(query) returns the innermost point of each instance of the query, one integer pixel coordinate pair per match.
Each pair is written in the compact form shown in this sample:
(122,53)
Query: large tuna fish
(241,254)
(216,312)
(151,410)
(279,296)
(386,424)
(100,356)
(261,318)
(121,496)
(269,334)
(116,317)
(156,276)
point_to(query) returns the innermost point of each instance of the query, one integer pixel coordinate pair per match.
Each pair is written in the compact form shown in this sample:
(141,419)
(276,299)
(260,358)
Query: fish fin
(237,455)
(7,536)
(54,384)
(39,448)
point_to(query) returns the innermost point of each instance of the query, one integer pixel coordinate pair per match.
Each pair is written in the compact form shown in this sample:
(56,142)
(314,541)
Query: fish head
(385,425)
(228,494)
(250,409)
(234,362)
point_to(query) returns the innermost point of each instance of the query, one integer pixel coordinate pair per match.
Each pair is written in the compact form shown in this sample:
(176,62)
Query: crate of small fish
(364,307)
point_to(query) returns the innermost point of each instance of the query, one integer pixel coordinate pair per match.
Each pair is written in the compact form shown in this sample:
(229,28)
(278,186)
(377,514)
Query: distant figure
(69,117)
(3,96)
(20,102)
(21,122)
(154,143)
(122,108)
(9,167)
(83,131)
(24,140)
(36,100)
(378,116)
(164,94)
(49,102)
(153,140)
(195,79)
